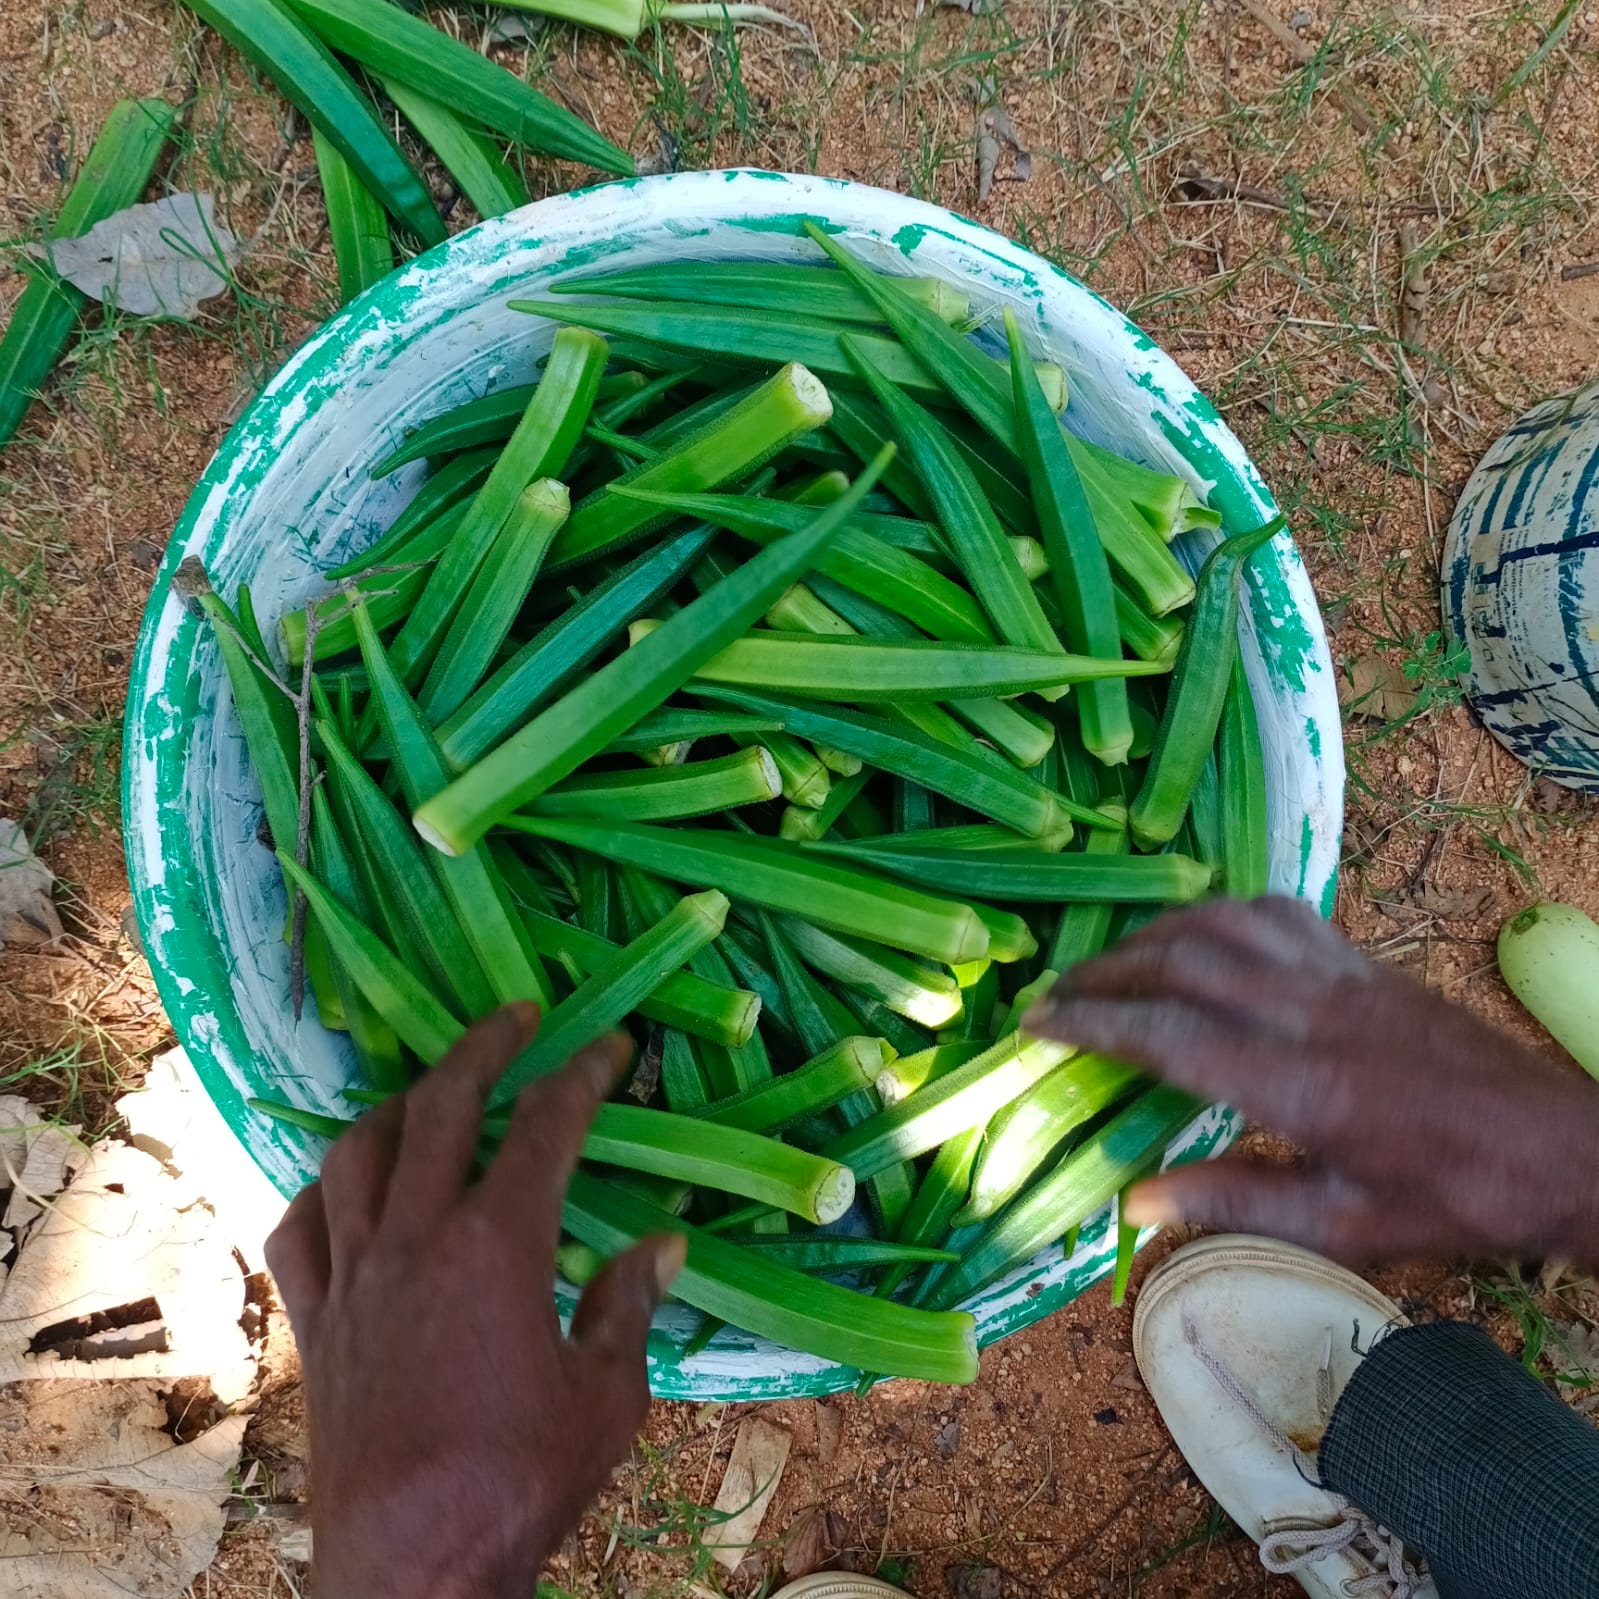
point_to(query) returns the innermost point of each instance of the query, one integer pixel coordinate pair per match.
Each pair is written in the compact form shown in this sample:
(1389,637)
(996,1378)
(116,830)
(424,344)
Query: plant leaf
(161,259)
(27,915)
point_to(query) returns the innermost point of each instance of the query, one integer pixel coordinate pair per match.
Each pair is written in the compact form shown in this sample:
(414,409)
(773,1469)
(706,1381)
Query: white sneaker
(838,1585)
(1246,1345)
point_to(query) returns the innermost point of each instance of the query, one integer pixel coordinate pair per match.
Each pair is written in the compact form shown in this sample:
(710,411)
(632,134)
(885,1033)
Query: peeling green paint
(1313,737)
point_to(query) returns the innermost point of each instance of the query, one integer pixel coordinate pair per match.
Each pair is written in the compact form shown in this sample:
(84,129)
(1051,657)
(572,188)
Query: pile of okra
(779,679)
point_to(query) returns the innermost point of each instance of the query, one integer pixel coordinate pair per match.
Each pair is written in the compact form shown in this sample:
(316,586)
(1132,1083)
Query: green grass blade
(581,723)
(120,163)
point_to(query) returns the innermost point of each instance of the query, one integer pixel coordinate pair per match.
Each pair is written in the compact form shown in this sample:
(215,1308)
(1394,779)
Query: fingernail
(671,1254)
(1041,1015)
(526,1014)
(1148,1207)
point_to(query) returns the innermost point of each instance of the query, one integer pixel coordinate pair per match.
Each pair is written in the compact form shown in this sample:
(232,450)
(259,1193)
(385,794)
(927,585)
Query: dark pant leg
(1447,1442)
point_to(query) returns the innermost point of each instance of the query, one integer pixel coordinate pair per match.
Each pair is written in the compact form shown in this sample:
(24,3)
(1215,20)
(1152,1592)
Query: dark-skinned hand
(456,1433)
(1426,1132)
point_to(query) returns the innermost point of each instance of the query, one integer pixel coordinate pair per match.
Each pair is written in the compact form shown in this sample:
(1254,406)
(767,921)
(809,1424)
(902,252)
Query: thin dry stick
(302,842)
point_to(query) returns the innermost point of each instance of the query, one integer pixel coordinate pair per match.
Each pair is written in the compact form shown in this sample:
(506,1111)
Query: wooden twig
(1579,269)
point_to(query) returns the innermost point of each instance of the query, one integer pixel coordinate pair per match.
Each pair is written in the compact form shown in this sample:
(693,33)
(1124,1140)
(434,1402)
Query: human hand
(456,1434)
(1426,1131)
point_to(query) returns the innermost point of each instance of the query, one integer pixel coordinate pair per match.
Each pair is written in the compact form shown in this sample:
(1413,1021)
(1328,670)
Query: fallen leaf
(978,8)
(513,29)
(99,1501)
(1452,904)
(1003,1455)
(814,1541)
(1370,687)
(1128,1377)
(36,1158)
(161,259)
(27,913)
(1415,290)
(996,133)
(1575,1354)
(760,1454)
(948,1440)
(829,1432)
(976,1582)
(125,1276)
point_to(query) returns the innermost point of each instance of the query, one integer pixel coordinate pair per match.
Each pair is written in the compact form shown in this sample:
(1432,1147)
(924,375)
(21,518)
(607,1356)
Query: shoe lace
(1291,1550)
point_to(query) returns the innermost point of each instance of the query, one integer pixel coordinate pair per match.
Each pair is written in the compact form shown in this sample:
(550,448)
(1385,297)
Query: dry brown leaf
(977,1582)
(1415,290)
(815,1539)
(1369,687)
(996,133)
(126,1276)
(162,259)
(978,8)
(98,1502)
(35,1160)
(27,913)
(947,1442)
(760,1454)
(1453,904)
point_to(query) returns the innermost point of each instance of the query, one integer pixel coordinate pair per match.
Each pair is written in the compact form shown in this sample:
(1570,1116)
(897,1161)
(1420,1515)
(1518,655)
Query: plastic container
(1521,588)
(288,495)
